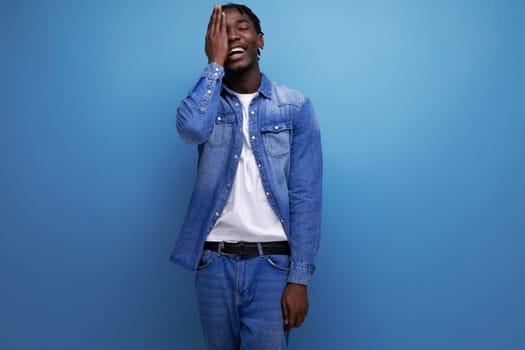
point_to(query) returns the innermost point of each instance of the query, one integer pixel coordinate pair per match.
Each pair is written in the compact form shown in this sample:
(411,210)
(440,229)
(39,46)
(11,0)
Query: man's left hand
(294,303)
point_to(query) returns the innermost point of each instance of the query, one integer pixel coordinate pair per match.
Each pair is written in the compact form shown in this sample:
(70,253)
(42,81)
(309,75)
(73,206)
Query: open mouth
(236,51)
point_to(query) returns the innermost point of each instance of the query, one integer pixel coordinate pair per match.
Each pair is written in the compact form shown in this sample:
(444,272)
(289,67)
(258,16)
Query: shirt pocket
(222,130)
(276,139)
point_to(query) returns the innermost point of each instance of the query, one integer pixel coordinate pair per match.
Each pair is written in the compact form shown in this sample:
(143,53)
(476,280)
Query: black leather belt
(249,248)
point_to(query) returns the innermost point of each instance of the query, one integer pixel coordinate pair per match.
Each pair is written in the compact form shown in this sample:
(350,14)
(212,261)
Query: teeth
(236,50)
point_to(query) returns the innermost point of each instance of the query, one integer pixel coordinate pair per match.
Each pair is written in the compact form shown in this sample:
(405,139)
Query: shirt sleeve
(305,194)
(196,113)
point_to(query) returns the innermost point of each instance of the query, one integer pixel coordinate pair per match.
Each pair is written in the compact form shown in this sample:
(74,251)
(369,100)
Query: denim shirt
(286,144)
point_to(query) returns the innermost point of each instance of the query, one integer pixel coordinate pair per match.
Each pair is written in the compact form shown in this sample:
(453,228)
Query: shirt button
(228,185)
(216,69)
(219,118)
(236,156)
(216,74)
(236,104)
(209,91)
(253,137)
(217,213)
(259,165)
(268,194)
(253,112)
(276,127)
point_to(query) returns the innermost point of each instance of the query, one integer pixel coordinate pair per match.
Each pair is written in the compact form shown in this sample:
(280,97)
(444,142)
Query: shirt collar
(265,88)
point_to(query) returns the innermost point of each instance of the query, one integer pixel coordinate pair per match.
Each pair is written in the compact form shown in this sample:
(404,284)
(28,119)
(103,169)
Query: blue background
(421,105)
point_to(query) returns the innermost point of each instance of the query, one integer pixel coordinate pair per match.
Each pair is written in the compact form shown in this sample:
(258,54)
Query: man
(253,224)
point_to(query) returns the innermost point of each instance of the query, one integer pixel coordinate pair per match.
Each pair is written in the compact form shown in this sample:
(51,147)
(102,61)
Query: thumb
(285,312)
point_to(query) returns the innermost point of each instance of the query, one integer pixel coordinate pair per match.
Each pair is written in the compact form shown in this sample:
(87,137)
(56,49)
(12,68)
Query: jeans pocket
(280,262)
(206,259)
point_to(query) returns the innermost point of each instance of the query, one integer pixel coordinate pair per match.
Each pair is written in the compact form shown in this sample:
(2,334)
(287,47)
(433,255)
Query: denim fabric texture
(239,301)
(286,144)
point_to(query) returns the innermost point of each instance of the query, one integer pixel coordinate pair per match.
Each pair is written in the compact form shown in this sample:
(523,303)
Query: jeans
(240,301)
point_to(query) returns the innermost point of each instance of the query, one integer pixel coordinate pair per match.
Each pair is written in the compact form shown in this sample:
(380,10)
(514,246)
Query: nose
(232,34)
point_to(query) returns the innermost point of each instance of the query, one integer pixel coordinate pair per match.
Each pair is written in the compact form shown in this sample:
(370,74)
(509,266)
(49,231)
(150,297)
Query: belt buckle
(221,248)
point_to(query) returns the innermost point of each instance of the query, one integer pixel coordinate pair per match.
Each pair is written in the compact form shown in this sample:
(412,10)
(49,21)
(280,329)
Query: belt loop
(259,248)
(221,245)
(241,248)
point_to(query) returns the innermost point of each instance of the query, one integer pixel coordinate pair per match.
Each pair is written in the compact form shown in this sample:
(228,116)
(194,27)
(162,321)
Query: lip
(236,56)
(238,46)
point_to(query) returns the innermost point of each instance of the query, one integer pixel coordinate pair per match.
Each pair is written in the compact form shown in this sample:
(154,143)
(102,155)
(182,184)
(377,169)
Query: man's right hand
(217,37)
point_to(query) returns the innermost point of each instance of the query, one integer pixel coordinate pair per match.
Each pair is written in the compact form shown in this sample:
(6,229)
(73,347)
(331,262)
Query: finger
(285,313)
(218,19)
(211,23)
(288,326)
(219,22)
(292,319)
(303,314)
(300,320)
(223,23)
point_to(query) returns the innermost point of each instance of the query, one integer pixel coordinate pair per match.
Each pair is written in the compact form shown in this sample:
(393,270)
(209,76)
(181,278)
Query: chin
(239,66)
(235,67)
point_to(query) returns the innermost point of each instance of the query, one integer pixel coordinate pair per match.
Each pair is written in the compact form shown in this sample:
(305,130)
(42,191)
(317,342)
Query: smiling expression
(243,41)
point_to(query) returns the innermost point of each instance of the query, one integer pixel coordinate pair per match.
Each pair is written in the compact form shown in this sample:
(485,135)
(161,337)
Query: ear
(260,41)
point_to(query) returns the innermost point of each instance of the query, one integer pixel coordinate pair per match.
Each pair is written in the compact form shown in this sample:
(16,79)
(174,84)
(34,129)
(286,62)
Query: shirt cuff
(214,71)
(213,74)
(300,273)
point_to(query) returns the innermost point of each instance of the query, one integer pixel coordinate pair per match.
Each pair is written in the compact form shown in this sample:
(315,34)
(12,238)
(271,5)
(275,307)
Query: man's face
(243,41)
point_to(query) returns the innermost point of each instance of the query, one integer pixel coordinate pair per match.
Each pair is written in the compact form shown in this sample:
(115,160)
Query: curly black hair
(243,9)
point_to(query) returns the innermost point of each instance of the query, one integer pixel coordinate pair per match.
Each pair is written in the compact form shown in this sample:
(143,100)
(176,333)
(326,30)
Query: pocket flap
(224,119)
(277,127)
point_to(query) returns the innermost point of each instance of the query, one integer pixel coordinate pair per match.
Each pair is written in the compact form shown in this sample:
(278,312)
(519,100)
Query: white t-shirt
(247,215)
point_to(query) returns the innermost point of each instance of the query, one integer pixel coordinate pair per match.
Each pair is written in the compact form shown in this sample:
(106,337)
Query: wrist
(214,60)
